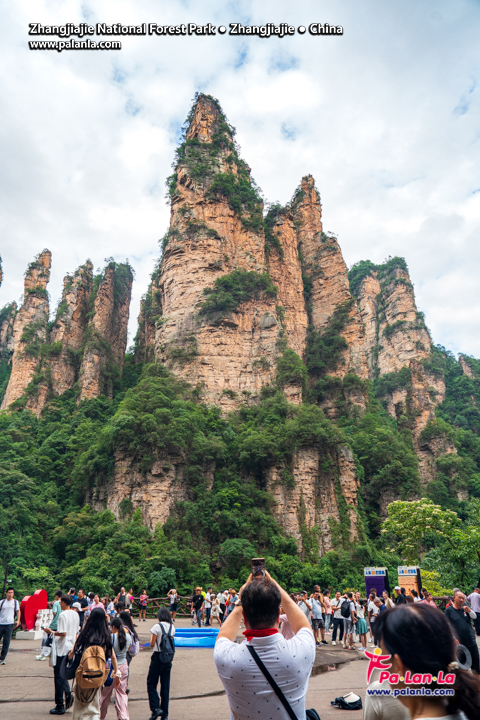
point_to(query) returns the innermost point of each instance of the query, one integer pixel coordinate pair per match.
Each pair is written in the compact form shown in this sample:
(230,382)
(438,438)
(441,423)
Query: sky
(385,117)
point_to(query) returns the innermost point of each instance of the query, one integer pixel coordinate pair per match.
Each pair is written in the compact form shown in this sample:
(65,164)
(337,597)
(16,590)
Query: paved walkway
(26,685)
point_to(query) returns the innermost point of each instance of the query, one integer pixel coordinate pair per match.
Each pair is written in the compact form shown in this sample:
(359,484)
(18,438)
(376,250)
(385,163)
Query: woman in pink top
(96,603)
(428,600)
(285,628)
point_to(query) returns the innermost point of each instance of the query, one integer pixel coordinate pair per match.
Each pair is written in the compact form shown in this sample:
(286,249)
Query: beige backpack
(92,671)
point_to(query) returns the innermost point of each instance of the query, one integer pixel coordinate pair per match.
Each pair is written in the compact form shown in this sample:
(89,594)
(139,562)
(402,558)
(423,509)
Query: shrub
(230,291)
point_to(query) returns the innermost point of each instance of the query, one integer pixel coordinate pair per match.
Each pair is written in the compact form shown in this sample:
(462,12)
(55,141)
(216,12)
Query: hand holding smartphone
(258,569)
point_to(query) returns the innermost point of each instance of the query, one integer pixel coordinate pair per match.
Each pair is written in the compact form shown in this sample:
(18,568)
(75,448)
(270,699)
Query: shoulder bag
(311,714)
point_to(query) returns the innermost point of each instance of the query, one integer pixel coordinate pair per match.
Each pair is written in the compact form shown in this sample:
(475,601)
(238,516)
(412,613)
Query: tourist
(387,600)
(119,608)
(349,622)
(159,669)
(110,607)
(222,599)
(419,640)
(174,598)
(197,604)
(72,593)
(121,644)
(372,614)
(48,638)
(305,606)
(215,609)
(380,604)
(460,615)
(399,598)
(134,648)
(81,598)
(338,624)
(122,596)
(95,632)
(318,623)
(9,621)
(328,610)
(143,606)
(415,596)
(474,600)
(232,599)
(289,662)
(208,606)
(361,627)
(65,635)
(96,603)
(429,600)
(285,627)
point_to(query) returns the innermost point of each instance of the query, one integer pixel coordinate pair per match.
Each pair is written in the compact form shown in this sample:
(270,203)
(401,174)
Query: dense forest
(48,464)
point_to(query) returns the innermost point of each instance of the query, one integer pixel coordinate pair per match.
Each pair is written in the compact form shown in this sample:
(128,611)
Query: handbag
(109,679)
(69,667)
(311,714)
(348,702)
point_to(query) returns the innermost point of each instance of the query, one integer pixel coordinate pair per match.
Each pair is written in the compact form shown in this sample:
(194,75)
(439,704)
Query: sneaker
(38,657)
(317,643)
(57,711)
(2,662)
(345,647)
(324,642)
(334,642)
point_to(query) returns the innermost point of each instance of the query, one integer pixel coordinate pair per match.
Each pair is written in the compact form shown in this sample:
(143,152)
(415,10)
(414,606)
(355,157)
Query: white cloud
(385,117)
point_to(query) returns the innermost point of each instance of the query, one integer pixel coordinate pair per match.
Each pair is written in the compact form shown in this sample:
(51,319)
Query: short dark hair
(58,593)
(120,606)
(163,615)
(261,603)
(10,588)
(67,599)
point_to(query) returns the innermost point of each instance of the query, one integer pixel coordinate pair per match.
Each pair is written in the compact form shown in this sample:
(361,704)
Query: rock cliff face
(396,338)
(30,328)
(323,503)
(105,338)
(326,276)
(86,341)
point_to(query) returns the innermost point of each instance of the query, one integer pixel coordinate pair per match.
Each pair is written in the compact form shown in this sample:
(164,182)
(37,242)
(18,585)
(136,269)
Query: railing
(154,604)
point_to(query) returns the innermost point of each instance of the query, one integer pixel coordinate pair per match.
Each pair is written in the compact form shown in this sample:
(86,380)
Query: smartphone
(258,568)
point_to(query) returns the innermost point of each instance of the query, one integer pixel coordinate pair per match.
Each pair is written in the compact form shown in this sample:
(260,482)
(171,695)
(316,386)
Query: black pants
(338,624)
(476,622)
(158,671)
(475,657)
(222,612)
(207,615)
(62,686)
(5,633)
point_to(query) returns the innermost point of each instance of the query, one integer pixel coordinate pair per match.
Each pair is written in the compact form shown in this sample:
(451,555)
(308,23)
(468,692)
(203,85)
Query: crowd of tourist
(95,639)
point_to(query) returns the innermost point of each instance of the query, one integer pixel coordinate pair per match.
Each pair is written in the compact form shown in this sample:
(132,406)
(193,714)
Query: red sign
(30,606)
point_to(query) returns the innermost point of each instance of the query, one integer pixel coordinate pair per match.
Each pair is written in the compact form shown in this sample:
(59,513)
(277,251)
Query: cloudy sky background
(385,117)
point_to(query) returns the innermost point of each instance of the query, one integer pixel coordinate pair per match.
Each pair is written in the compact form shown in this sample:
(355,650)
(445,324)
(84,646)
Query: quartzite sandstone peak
(85,343)
(30,328)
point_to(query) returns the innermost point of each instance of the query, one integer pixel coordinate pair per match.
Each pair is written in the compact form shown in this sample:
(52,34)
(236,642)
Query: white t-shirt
(360,610)
(69,623)
(336,605)
(158,629)
(249,694)
(208,604)
(7,613)
(372,609)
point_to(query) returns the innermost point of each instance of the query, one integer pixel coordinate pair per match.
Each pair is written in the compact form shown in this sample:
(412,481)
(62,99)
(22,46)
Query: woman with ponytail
(419,639)
(121,642)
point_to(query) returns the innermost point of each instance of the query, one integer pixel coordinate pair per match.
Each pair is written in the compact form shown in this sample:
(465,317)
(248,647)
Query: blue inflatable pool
(200,637)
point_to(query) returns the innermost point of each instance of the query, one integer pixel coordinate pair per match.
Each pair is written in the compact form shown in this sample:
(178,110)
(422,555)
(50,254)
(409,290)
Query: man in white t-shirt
(9,615)
(65,636)
(289,662)
(208,605)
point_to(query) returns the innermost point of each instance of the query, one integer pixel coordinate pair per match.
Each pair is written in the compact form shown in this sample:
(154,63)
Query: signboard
(409,578)
(376,578)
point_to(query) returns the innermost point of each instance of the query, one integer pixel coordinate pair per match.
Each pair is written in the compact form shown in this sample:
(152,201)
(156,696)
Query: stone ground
(26,685)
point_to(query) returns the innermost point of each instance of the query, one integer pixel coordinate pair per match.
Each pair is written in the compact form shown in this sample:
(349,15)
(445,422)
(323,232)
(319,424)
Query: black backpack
(345,609)
(167,646)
